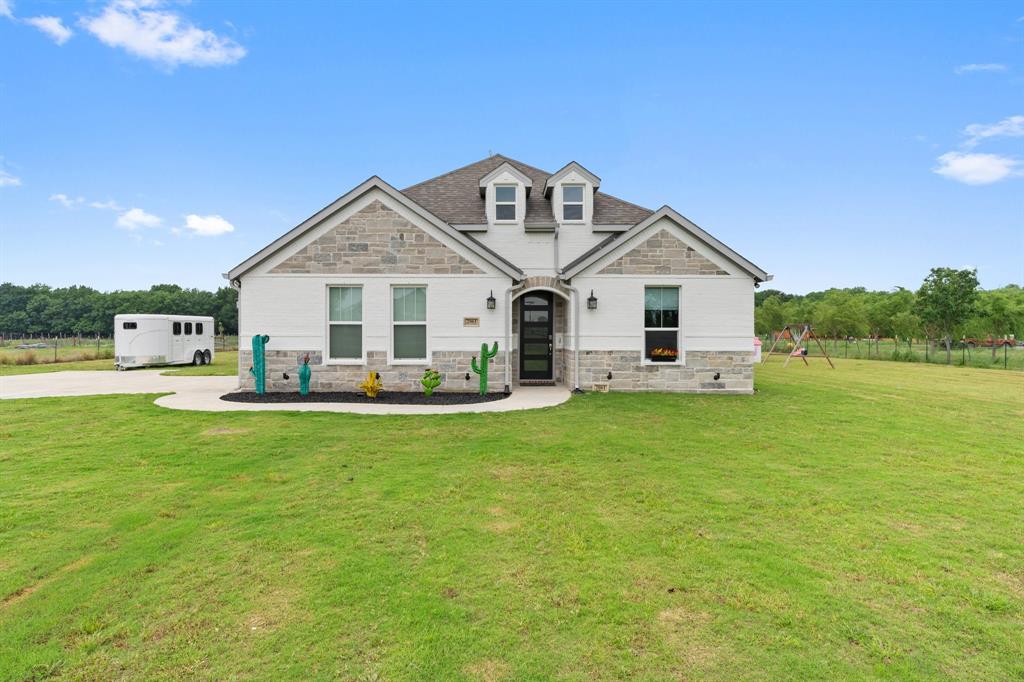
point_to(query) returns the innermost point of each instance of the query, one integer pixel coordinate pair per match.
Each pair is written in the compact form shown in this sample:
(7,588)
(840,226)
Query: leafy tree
(946,300)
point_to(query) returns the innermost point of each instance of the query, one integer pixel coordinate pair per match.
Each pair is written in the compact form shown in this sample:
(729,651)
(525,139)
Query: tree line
(40,310)
(948,306)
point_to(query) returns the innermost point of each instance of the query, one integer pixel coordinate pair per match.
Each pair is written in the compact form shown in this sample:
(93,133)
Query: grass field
(863,523)
(225,363)
(980,357)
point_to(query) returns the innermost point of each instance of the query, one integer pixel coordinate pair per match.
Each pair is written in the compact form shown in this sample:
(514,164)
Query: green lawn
(861,523)
(225,363)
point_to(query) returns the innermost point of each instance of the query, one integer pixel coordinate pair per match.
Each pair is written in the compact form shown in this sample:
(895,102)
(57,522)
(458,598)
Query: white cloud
(971,68)
(110,205)
(976,169)
(66,201)
(143,29)
(8,180)
(207,226)
(53,27)
(6,9)
(1008,127)
(134,218)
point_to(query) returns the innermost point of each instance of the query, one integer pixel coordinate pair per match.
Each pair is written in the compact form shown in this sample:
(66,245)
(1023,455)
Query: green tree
(946,300)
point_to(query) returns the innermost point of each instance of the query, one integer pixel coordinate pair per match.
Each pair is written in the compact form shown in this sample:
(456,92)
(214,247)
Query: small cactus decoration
(259,363)
(304,373)
(372,385)
(431,379)
(485,361)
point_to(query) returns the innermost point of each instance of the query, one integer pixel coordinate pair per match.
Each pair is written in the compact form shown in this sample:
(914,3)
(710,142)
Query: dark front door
(536,314)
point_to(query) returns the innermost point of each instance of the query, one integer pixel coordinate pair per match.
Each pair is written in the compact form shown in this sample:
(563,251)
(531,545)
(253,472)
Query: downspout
(508,335)
(236,284)
(575,296)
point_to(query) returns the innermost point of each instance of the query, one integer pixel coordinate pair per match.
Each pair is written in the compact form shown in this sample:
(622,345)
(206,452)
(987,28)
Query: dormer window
(572,202)
(505,202)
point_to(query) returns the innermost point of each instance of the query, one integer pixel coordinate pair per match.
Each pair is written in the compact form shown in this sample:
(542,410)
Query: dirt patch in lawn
(223,431)
(385,398)
(27,591)
(488,670)
(686,633)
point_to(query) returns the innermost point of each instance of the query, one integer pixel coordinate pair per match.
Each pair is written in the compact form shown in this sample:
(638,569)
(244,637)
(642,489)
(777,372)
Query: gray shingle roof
(455,197)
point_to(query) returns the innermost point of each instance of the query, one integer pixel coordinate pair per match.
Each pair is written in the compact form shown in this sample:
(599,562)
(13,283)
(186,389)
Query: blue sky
(833,144)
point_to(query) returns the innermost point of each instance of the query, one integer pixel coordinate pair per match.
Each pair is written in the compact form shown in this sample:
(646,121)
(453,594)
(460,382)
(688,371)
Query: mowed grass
(225,363)
(866,522)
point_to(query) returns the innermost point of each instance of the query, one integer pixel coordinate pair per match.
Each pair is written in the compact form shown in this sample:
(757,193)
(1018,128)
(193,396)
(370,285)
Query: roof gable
(570,167)
(618,243)
(511,170)
(448,233)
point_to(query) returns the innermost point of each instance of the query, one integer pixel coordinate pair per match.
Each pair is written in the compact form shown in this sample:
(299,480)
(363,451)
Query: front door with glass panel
(535,329)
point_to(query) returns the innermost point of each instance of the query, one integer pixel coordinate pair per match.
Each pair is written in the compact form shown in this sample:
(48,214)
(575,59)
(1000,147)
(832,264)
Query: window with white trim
(345,323)
(572,202)
(409,323)
(661,324)
(504,202)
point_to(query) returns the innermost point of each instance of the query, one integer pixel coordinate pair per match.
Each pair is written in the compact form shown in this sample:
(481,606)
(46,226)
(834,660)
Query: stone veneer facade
(376,241)
(452,365)
(662,254)
(629,373)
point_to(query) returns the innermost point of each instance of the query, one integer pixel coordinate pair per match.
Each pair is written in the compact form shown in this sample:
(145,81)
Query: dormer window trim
(504,202)
(576,204)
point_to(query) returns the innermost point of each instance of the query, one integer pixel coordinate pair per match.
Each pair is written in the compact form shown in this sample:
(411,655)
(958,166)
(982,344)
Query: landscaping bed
(385,398)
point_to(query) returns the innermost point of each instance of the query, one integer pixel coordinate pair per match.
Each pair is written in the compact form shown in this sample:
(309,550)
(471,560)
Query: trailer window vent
(176,328)
(130,325)
(199,327)
(188,328)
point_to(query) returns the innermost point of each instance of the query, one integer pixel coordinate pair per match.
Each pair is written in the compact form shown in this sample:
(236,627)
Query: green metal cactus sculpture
(304,374)
(485,361)
(431,379)
(259,362)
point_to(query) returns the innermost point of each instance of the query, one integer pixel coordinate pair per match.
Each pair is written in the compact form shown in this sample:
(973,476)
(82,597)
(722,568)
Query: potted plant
(664,355)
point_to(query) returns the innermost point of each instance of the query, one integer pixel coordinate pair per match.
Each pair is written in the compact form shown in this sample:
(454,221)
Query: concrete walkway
(203,394)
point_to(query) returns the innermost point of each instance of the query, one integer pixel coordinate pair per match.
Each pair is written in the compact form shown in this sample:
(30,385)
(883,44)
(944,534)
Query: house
(585,289)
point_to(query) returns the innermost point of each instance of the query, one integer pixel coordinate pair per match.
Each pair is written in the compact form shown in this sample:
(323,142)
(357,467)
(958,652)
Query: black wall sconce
(591,301)
(491,303)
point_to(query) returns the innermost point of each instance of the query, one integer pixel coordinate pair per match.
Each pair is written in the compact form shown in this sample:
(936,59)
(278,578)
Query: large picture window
(345,322)
(661,324)
(409,319)
(505,202)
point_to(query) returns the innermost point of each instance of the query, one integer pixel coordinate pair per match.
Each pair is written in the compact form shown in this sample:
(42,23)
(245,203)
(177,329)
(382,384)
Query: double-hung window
(572,202)
(504,202)
(409,323)
(345,323)
(661,324)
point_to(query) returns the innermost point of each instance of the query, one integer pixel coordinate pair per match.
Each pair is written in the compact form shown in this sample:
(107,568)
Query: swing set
(806,333)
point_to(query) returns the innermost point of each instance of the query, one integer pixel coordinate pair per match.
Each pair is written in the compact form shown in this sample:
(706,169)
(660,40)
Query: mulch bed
(385,398)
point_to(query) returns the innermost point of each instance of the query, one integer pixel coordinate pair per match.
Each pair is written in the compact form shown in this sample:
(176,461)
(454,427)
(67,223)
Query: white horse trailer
(142,340)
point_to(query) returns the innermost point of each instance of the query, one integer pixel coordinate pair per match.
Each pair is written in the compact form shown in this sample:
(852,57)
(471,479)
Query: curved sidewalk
(203,394)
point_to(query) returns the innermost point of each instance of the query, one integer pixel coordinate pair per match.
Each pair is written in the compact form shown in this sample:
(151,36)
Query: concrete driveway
(203,394)
(55,384)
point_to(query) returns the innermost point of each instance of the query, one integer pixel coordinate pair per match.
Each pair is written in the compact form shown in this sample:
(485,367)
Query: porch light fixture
(592,301)
(491,303)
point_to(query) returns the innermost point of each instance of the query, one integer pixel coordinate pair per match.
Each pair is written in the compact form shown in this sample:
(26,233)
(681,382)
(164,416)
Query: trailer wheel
(197,359)
(207,357)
